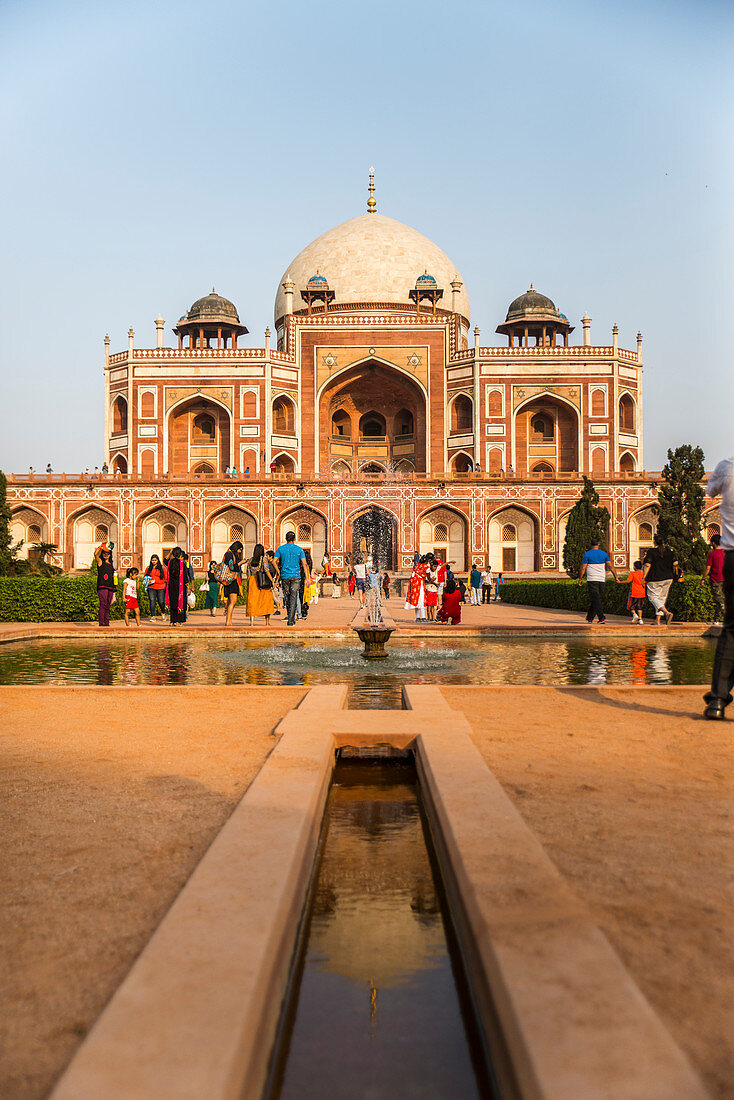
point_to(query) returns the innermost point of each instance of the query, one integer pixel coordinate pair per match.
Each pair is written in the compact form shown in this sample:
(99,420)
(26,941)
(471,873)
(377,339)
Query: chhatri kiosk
(373,413)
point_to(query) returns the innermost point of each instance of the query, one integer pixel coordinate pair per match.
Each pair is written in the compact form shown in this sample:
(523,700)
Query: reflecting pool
(527,660)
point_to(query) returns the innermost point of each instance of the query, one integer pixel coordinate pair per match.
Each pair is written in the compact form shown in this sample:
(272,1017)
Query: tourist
(48,468)
(105,469)
(500,580)
(360,577)
(130,595)
(714,571)
(227,471)
(246,472)
(106,583)
(212,590)
(306,585)
(177,586)
(660,566)
(462,588)
(386,585)
(351,583)
(450,609)
(272,567)
(431,589)
(636,598)
(486,584)
(336,587)
(415,597)
(233,472)
(155,576)
(259,586)
(594,566)
(443,572)
(289,557)
(273,467)
(32,472)
(95,475)
(722,679)
(475,578)
(231,577)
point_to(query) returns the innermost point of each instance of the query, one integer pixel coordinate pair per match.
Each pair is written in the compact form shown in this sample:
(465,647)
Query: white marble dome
(371,259)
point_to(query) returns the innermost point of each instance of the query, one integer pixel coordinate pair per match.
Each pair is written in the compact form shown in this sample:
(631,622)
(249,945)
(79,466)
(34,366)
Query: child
(636,598)
(130,595)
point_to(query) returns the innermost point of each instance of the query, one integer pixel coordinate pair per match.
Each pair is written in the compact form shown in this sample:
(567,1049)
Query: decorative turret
(317,290)
(210,318)
(426,289)
(533,315)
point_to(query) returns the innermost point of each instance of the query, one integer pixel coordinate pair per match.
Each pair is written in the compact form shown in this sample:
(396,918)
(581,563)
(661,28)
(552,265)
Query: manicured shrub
(688,600)
(29,599)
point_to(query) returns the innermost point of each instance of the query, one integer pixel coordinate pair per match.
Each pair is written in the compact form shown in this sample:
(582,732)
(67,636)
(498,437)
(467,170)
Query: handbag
(263,579)
(204,586)
(223,573)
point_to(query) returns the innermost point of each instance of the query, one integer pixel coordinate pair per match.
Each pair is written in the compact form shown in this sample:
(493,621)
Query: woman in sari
(450,609)
(177,586)
(259,600)
(431,596)
(415,597)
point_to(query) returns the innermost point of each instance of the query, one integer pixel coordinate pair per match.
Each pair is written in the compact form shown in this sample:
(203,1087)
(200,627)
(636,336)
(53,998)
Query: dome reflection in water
(379,1006)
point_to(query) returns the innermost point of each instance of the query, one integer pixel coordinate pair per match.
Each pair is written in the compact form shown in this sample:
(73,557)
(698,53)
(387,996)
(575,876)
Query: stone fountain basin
(374,635)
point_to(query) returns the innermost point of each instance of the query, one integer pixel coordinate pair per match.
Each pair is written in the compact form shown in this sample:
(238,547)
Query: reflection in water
(376,1010)
(371,683)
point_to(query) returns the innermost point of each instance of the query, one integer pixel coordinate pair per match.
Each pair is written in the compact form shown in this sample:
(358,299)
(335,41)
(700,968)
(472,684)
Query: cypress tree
(587,521)
(6,550)
(680,507)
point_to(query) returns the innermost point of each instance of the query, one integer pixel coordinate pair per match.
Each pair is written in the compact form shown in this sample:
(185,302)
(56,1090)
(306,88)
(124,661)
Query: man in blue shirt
(594,566)
(289,557)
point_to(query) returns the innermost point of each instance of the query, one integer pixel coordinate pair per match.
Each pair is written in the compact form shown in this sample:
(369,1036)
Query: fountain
(372,625)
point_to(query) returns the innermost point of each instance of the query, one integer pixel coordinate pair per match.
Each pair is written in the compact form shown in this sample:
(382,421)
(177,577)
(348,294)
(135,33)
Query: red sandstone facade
(367,413)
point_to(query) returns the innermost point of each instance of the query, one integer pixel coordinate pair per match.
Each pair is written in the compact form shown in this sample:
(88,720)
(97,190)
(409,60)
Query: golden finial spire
(371,204)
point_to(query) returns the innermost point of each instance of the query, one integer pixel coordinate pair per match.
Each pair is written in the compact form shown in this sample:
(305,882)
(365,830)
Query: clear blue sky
(151,151)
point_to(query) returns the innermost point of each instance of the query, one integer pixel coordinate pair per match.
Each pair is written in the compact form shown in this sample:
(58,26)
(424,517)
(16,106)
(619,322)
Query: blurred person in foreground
(722,679)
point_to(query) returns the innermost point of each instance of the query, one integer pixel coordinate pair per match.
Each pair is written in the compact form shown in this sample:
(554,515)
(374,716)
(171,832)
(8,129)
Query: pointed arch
(513,539)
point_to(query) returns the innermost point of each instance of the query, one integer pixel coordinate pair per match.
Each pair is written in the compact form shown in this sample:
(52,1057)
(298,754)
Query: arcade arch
(28,526)
(512,541)
(89,529)
(642,526)
(232,525)
(461,463)
(627,463)
(284,463)
(375,532)
(442,531)
(161,530)
(309,527)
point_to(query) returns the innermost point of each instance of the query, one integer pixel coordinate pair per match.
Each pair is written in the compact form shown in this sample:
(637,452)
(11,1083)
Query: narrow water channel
(379,1007)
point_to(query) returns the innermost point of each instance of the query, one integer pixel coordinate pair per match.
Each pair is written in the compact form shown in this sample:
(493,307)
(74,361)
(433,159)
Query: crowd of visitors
(270,581)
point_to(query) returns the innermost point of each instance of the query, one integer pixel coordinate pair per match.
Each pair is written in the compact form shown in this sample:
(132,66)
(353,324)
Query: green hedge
(689,601)
(28,599)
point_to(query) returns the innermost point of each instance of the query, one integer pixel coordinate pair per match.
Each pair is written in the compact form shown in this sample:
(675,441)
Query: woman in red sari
(415,597)
(450,609)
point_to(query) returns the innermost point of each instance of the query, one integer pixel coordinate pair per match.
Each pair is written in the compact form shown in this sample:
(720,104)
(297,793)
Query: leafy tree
(680,507)
(7,555)
(587,521)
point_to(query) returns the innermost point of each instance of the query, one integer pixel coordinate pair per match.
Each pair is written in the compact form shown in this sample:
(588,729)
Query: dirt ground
(632,794)
(108,800)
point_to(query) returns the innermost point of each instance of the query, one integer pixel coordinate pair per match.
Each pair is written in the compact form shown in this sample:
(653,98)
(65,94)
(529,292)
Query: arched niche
(443,532)
(284,463)
(461,463)
(547,429)
(626,463)
(309,527)
(513,541)
(88,529)
(626,413)
(375,532)
(119,415)
(461,414)
(161,530)
(232,525)
(199,430)
(284,416)
(642,527)
(28,526)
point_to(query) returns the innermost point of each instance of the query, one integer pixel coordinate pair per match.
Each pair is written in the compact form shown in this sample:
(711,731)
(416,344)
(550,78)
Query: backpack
(223,573)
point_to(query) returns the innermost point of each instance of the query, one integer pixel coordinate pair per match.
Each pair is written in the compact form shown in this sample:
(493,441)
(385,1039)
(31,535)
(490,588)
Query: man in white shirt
(360,578)
(721,483)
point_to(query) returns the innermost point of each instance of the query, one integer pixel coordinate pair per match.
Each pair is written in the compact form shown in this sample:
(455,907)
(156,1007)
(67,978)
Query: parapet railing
(334,478)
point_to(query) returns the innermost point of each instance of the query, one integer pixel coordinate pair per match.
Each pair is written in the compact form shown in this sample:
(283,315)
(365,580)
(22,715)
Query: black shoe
(716,711)
(602,620)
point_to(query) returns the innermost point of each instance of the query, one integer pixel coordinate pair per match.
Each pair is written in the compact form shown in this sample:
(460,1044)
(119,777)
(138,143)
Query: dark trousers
(717,591)
(722,680)
(105,603)
(595,589)
(291,587)
(486,592)
(157,598)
